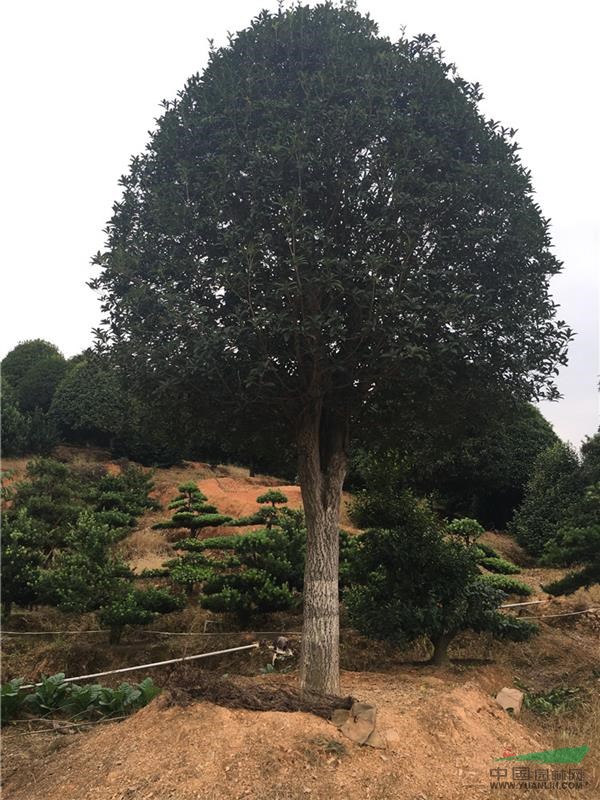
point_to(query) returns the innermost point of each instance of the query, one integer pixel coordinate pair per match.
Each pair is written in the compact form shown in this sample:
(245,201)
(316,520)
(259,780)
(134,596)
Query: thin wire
(161,633)
(149,666)
(567,614)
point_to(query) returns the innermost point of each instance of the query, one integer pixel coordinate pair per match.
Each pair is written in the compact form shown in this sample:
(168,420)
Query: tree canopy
(321,215)
(17,363)
(90,403)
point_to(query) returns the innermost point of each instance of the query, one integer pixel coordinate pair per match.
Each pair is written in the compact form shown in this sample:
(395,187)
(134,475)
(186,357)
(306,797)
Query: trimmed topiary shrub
(499,565)
(409,581)
(467,530)
(508,585)
(191,511)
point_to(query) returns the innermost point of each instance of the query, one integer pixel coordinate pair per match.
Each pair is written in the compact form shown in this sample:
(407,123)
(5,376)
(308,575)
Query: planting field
(441,727)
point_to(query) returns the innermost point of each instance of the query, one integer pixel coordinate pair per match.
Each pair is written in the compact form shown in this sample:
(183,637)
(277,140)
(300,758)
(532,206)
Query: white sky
(84,84)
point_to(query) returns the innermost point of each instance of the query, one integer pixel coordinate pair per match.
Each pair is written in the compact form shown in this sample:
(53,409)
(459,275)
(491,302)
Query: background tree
(38,386)
(321,216)
(554,486)
(471,451)
(25,356)
(90,405)
(14,437)
(577,541)
(31,373)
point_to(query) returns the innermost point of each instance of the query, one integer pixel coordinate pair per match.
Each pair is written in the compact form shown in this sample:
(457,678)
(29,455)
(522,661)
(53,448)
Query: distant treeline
(473,456)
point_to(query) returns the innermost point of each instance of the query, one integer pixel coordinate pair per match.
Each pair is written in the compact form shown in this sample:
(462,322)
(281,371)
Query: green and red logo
(564,755)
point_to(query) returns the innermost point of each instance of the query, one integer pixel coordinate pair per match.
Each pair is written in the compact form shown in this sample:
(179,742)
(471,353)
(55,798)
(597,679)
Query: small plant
(56,696)
(467,530)
(12,700)
(330,746)
(554,701)
(137,607)
(189,572)
(273,496)
(50,696)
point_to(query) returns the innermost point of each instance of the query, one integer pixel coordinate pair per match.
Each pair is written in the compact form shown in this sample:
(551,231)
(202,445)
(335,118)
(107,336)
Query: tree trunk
(114,635)
(322,444)
(440,649)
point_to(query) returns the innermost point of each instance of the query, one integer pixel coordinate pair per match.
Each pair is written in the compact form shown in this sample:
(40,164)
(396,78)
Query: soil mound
(441,744)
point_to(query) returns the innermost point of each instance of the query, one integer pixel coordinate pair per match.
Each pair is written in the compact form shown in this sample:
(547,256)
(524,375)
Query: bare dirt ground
(442,727)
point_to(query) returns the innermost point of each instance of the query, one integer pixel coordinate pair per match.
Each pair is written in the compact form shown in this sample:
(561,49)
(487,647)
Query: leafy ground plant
(55,696)
(558,700)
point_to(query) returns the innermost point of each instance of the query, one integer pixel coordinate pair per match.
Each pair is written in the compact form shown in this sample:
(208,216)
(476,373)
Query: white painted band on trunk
(330,585)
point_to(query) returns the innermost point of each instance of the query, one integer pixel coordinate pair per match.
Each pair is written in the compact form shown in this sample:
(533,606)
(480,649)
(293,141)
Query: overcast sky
(83,83)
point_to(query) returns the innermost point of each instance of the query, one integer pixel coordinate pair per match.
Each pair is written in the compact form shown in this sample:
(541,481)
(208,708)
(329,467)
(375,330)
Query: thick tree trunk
(322,444)
(440,649)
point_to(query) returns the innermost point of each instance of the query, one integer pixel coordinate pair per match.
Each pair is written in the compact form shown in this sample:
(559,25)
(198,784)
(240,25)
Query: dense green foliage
(59,532)
(90,405)
(129,606)
(411,580)
(23,554)
(25,356)
(38,386)
(15,425)
(577,541)
(508,585)
(264,573)
(322,218)
(84,574)
(469,449)
(56,697)
(380,501)
(252,573)
(31,373)
(499,565)
(553,488)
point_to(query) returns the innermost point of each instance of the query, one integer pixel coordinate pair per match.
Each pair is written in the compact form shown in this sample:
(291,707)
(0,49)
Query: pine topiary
(191,511)
(466,529)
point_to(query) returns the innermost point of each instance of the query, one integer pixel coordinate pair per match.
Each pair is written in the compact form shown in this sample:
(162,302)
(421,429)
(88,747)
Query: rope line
(567,614)
(149,666)
(160,633)
(528,603)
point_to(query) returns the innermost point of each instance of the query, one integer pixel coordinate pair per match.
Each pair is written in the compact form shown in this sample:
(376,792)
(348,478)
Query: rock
(360,723)
(511,700)
(339,716)
(376,740)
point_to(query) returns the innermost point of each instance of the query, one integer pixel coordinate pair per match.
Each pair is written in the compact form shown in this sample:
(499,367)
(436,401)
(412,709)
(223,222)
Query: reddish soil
(441,742)
(442,727)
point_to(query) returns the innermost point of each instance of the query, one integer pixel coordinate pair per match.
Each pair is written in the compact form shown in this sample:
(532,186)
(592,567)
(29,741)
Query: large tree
(322,215)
